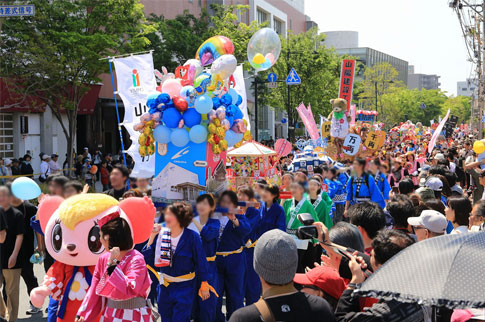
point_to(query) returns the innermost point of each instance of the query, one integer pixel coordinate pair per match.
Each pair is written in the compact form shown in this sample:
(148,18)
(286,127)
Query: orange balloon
(93,169)
(141,213)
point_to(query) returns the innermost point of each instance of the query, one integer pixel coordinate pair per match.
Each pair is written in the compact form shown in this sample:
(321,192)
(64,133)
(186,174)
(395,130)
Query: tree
(459,106)
(319,70)
(55,55)
(418,106)
(379,80)
(177,40)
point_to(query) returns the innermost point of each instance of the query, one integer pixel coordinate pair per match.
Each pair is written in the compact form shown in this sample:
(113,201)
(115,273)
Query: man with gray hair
(275,261)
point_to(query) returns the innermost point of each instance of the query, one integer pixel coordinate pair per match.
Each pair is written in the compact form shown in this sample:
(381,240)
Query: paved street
(24,300)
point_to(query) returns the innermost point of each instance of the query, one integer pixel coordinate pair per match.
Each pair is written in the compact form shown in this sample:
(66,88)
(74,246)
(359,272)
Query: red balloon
(141,213)
(180,104)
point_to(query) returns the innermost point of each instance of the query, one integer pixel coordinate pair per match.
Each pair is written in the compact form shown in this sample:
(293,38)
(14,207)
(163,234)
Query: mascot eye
(57,237)
(93,241)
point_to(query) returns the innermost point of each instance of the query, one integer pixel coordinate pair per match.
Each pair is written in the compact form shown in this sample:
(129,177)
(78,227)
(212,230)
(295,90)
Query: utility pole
(291,132)
(481,69)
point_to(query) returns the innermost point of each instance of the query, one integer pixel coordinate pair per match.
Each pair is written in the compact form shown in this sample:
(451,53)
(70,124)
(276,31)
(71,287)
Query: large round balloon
(161,134)
(191,117)
(233,137)
(224,66)
(179,137)
(25,188)
(186,91)
(171,117)
(203,104)
(264,48)
(213,48)
(478,147)
(195,68)
(172,87)
(198,134)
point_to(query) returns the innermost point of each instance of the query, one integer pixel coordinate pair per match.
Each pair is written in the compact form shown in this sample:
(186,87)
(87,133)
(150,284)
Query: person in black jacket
(26,168)
(386,244)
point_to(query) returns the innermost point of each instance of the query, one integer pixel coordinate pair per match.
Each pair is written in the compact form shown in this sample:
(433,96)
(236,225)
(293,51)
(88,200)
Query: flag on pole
(306,116)
(437,132)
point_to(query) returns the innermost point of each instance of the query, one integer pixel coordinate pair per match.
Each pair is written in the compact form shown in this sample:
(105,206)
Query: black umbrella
(446,271)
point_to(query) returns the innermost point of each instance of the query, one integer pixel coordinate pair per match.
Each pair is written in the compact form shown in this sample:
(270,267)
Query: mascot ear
(141,213)
(47,207)
(331,101)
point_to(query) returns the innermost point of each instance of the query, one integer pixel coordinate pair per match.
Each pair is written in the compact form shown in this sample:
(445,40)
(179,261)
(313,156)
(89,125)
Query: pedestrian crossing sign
(293,78)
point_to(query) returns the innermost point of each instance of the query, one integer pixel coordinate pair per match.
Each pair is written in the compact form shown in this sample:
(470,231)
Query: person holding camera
(276,261)
(295,206)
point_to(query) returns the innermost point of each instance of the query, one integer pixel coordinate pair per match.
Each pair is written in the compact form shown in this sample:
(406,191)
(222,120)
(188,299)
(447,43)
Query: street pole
(291,132)
(481,68)
(256,108)
(375,83)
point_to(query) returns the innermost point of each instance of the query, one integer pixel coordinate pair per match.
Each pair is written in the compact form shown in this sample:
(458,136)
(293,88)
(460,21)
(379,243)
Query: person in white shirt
(477,218)
(458,212)
(45,170)
(54,166)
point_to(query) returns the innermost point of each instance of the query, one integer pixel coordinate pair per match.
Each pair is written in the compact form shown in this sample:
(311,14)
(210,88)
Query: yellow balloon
(478,147)
(258,58)
(212,128)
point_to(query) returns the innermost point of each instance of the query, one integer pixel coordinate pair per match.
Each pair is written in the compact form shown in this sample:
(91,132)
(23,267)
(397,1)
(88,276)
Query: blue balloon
(231,120)
(283,120)
(191,117)
(179,137)
(171,117)
(226,100)
(238,113)
(25,188)
(266,64)
(198,134)
(233,137)
(239,100)
(231,110)
(163,98)
(203,104)
(216,101)
(233,94)
(161,134)
(186,91)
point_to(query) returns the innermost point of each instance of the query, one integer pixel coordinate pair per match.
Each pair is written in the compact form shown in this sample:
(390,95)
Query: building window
(278,26)
(262,16)
(6,135)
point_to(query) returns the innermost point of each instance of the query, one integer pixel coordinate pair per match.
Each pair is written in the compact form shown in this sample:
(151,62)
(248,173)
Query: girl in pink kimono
(120,281)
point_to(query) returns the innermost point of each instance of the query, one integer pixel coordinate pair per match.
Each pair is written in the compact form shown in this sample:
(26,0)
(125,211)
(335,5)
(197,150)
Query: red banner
(347,81)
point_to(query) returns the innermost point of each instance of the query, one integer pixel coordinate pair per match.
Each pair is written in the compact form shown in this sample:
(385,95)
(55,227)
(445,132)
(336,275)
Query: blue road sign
(17,10)
(272,77)
(293,78)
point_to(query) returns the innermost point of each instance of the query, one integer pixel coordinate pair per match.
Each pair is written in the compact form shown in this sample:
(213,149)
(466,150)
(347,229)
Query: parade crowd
(249,254)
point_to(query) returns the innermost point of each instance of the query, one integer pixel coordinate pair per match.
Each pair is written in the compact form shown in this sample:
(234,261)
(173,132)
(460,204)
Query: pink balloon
(212,115)
(221,113)
(225,124)
(270,57)
(172,87)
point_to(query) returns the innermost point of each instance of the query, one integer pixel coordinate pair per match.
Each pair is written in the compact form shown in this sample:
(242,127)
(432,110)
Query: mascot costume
(72,238)
(339,127)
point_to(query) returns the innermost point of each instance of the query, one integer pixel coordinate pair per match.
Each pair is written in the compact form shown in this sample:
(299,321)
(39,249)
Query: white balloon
(224,66)
(195,68)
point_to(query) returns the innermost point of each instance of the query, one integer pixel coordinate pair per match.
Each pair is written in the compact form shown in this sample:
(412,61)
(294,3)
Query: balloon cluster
(146,140)
(197,105)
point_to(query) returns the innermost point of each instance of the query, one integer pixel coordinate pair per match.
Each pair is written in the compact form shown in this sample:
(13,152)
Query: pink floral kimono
(128,281)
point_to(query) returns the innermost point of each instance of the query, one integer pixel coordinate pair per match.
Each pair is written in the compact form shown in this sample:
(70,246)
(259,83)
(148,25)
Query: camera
(307,231)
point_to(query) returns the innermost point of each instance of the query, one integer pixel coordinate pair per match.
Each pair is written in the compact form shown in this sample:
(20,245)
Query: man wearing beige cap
(430,223)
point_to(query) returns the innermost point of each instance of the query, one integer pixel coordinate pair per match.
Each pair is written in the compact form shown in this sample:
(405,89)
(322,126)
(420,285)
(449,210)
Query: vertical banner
(437,132)
(306,116)
(135,81)
(347,81)
(240,88)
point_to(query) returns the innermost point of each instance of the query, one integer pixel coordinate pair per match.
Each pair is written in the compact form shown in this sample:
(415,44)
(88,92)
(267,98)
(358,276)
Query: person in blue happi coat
(177,253)
(380,178)
(252,287)
(361,187)
(336,192)
(208,228)
(231,260)
(272,214)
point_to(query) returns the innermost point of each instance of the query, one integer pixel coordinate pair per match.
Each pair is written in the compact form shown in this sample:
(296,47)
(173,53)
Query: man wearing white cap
(430,223)
(45,170)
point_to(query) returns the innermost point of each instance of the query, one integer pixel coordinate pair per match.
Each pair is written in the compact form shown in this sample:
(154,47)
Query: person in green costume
(320,201)
(299,204)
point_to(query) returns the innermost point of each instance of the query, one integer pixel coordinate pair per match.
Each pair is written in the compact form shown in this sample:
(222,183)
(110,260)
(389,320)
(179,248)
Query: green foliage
(318,68)
(459,106)
(54,55)
(176,40)
(379,80)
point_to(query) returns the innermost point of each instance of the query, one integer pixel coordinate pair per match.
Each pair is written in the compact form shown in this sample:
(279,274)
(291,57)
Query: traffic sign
(272,77)
(17,10)
(272,84)
(293,78)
